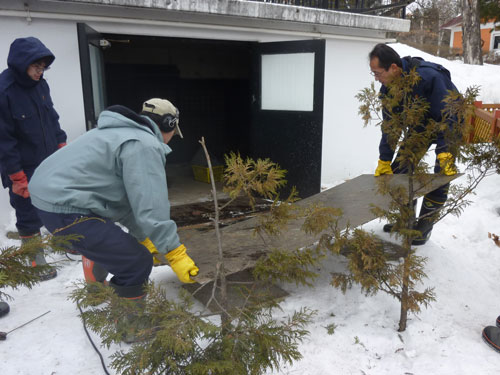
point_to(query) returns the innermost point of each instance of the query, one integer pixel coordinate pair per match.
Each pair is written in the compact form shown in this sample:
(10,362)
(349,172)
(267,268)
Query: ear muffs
(168,122)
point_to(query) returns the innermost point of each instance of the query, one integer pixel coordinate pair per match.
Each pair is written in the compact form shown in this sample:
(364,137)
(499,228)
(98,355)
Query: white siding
(349,149)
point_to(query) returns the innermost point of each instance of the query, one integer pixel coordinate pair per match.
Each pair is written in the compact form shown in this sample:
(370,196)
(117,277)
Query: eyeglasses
(40,67)
(377,74)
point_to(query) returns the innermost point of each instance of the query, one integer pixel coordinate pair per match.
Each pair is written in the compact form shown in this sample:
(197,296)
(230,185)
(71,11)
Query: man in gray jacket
(116,174)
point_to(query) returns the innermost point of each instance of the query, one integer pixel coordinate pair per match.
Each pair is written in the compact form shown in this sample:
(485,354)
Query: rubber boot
(425,221)
(491,336)
(39,259)
(4,308)
(131,324)
(93,272)
(388,227)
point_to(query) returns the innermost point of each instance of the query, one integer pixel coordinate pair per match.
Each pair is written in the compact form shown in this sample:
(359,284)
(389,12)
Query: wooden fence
(485,124)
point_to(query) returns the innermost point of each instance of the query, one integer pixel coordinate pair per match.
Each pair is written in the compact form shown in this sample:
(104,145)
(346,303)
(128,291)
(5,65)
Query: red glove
(61,145)
(20,184)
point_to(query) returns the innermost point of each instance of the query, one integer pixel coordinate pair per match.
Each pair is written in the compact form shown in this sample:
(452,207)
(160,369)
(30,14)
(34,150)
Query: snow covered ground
(463,267)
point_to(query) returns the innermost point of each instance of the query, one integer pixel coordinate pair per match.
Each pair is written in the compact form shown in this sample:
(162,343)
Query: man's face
(383,76)
(36,70)
(167,136)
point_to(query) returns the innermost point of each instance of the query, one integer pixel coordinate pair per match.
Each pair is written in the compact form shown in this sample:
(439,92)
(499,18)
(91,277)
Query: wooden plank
(242,248)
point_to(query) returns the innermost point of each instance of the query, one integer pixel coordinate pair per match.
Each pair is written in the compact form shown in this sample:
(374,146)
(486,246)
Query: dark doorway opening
(208,81)
(263,100)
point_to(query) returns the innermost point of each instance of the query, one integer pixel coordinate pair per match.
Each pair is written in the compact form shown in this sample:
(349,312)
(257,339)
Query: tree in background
(489,10)
(427,17)
(471,32)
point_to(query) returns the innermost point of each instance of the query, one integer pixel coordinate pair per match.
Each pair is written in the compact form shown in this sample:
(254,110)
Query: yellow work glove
(182,264)
(383,167)
(157,257)
(446,163)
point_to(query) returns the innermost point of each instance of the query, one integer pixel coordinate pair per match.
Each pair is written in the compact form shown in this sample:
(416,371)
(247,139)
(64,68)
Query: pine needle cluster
(175,340)
(15,261)
(252,178)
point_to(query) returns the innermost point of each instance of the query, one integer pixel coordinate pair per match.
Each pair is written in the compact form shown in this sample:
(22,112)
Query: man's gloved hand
(157,257)
(182,264)
(446,163)
(20,184)
(383,167)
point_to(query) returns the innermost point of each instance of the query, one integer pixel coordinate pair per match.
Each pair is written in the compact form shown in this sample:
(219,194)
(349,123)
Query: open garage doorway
(207,80)
(263,100)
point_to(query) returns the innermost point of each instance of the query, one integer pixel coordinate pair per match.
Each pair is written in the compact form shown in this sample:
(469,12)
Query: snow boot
(491,336)
(39,259)
(4,308)
(93,272)
(388,227)
(425,222)
(131,324)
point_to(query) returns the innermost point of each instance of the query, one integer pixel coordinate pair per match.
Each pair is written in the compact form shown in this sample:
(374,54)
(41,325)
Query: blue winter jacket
(116,171)
(434,86)
(29,124)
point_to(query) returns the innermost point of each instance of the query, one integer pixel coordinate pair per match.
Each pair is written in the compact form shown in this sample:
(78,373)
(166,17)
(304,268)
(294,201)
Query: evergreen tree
(175,339)
(368,264)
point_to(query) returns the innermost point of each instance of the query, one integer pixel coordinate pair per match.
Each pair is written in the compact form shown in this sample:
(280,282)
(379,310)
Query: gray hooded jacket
(116,171)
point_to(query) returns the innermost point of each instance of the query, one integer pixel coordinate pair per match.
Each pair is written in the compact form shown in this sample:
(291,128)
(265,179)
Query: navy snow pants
(106,244)
(27,221)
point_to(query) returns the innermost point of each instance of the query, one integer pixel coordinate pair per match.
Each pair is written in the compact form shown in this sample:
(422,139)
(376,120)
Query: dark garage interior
(207,80)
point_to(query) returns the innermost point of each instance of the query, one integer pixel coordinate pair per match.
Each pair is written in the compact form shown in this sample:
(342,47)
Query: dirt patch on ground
(200,213)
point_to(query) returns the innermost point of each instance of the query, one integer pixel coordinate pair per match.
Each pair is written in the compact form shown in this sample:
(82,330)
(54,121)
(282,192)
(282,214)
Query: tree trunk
(403,318)
(471,31)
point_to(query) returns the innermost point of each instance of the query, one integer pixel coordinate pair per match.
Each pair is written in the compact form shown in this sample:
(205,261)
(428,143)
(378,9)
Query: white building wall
(348,148)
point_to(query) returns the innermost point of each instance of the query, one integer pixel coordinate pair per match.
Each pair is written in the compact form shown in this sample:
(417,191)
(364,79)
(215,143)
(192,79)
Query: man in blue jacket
(29,131)
(434,86)
(115,173)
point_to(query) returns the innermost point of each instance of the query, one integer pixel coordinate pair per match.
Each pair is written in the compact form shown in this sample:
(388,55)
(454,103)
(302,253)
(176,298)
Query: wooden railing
(485,124)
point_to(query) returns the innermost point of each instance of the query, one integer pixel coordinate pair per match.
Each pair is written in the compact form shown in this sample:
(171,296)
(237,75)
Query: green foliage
(410,131)
(172,339)
(289,266)
(15,261)
(250,177)
(489,10)
(280,214)
(330,328)
(175,340)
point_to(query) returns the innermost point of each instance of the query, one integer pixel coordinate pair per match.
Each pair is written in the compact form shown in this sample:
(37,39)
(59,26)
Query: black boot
(388,227)
(131,324)
(4,308)
(491,336)
(425,222)
(39,259)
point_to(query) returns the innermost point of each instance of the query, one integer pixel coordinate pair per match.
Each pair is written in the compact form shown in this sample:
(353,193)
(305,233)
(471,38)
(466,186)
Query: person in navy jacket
(29,131)
(434,85)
